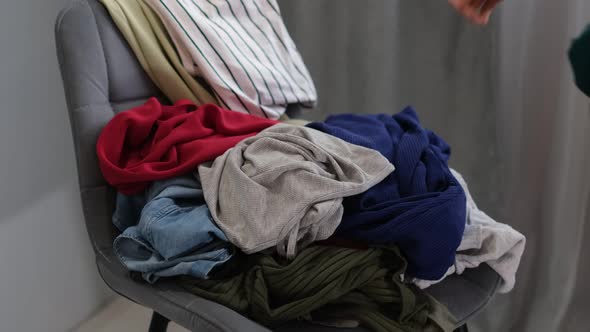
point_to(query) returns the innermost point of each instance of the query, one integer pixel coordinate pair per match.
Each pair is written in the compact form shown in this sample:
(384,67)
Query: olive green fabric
(328,283)
(152,46)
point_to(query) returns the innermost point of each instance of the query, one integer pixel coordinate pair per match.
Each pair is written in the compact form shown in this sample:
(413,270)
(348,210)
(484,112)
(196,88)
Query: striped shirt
(243,50)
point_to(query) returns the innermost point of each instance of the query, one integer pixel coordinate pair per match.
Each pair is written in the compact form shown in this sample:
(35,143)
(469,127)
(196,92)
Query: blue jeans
(168,231)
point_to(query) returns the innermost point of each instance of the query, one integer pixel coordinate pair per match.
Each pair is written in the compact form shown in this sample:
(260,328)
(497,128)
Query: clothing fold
(485,241)
(283,188)
(420,207)
(155,142)
(328,282)
(168,231)
(579,57)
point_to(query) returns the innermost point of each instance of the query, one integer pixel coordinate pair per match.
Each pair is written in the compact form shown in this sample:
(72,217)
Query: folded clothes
(154,141)
(168,231)
(485,241)
(284,186)
(323,282)
(420,207)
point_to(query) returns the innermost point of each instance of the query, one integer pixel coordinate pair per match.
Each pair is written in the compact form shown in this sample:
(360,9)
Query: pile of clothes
(341,222)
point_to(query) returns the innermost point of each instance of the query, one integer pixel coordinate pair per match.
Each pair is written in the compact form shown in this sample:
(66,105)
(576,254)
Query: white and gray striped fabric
(242,49)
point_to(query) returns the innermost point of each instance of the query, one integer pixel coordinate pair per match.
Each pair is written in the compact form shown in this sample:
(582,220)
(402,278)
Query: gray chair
(102,77)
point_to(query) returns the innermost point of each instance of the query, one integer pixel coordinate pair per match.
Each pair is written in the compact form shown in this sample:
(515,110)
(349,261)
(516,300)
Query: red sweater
(154,141)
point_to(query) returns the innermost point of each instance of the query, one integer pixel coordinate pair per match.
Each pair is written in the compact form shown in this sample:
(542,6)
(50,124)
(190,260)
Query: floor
(122,315)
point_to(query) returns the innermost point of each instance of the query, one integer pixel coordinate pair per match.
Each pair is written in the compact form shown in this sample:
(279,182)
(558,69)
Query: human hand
(477,11)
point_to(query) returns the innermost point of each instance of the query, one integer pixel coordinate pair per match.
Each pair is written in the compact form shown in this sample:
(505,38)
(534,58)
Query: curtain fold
(503,96)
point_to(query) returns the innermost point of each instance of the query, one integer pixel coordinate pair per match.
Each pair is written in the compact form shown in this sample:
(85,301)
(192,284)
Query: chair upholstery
(102,77)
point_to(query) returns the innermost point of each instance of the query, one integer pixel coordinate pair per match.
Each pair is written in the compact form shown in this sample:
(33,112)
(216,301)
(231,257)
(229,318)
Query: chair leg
(158,323)
(462,328)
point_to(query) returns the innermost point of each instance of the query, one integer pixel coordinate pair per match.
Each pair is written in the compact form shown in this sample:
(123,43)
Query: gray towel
(284,187)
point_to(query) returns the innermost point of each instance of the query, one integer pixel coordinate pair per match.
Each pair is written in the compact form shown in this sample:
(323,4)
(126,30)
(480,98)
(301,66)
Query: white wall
(48,280)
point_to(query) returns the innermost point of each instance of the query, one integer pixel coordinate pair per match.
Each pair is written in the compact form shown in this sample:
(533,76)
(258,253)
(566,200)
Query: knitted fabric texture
(154,141)
(326,282)
(420,207)
(285,186)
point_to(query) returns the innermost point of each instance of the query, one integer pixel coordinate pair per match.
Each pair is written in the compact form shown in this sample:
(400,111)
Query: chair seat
(464,295)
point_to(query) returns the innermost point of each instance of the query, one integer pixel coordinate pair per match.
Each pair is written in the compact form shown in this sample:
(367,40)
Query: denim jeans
(168,231)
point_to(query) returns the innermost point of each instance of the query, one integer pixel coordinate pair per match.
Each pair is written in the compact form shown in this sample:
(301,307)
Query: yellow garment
(152,46)
(295,122)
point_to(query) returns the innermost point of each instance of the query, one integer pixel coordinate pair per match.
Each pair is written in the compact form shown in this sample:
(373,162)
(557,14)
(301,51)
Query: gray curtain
(503,97)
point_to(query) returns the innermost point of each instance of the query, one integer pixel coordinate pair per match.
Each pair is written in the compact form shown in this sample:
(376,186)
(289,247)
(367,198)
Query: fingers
(485,11)
(487,8)
(474,13)
(476,4)
(468,8)
(489,5)
(478,11)
(459,5)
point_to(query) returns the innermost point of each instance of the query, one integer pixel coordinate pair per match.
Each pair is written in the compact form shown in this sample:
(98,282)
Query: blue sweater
(420,206)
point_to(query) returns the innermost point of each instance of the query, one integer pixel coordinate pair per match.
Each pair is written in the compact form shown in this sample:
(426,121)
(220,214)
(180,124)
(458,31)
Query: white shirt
(242,49)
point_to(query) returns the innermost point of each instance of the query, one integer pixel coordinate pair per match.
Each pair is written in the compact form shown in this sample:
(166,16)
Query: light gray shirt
(284,186)
(485,241)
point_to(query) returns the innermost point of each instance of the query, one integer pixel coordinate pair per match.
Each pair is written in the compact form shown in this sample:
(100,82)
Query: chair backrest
(101,76)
